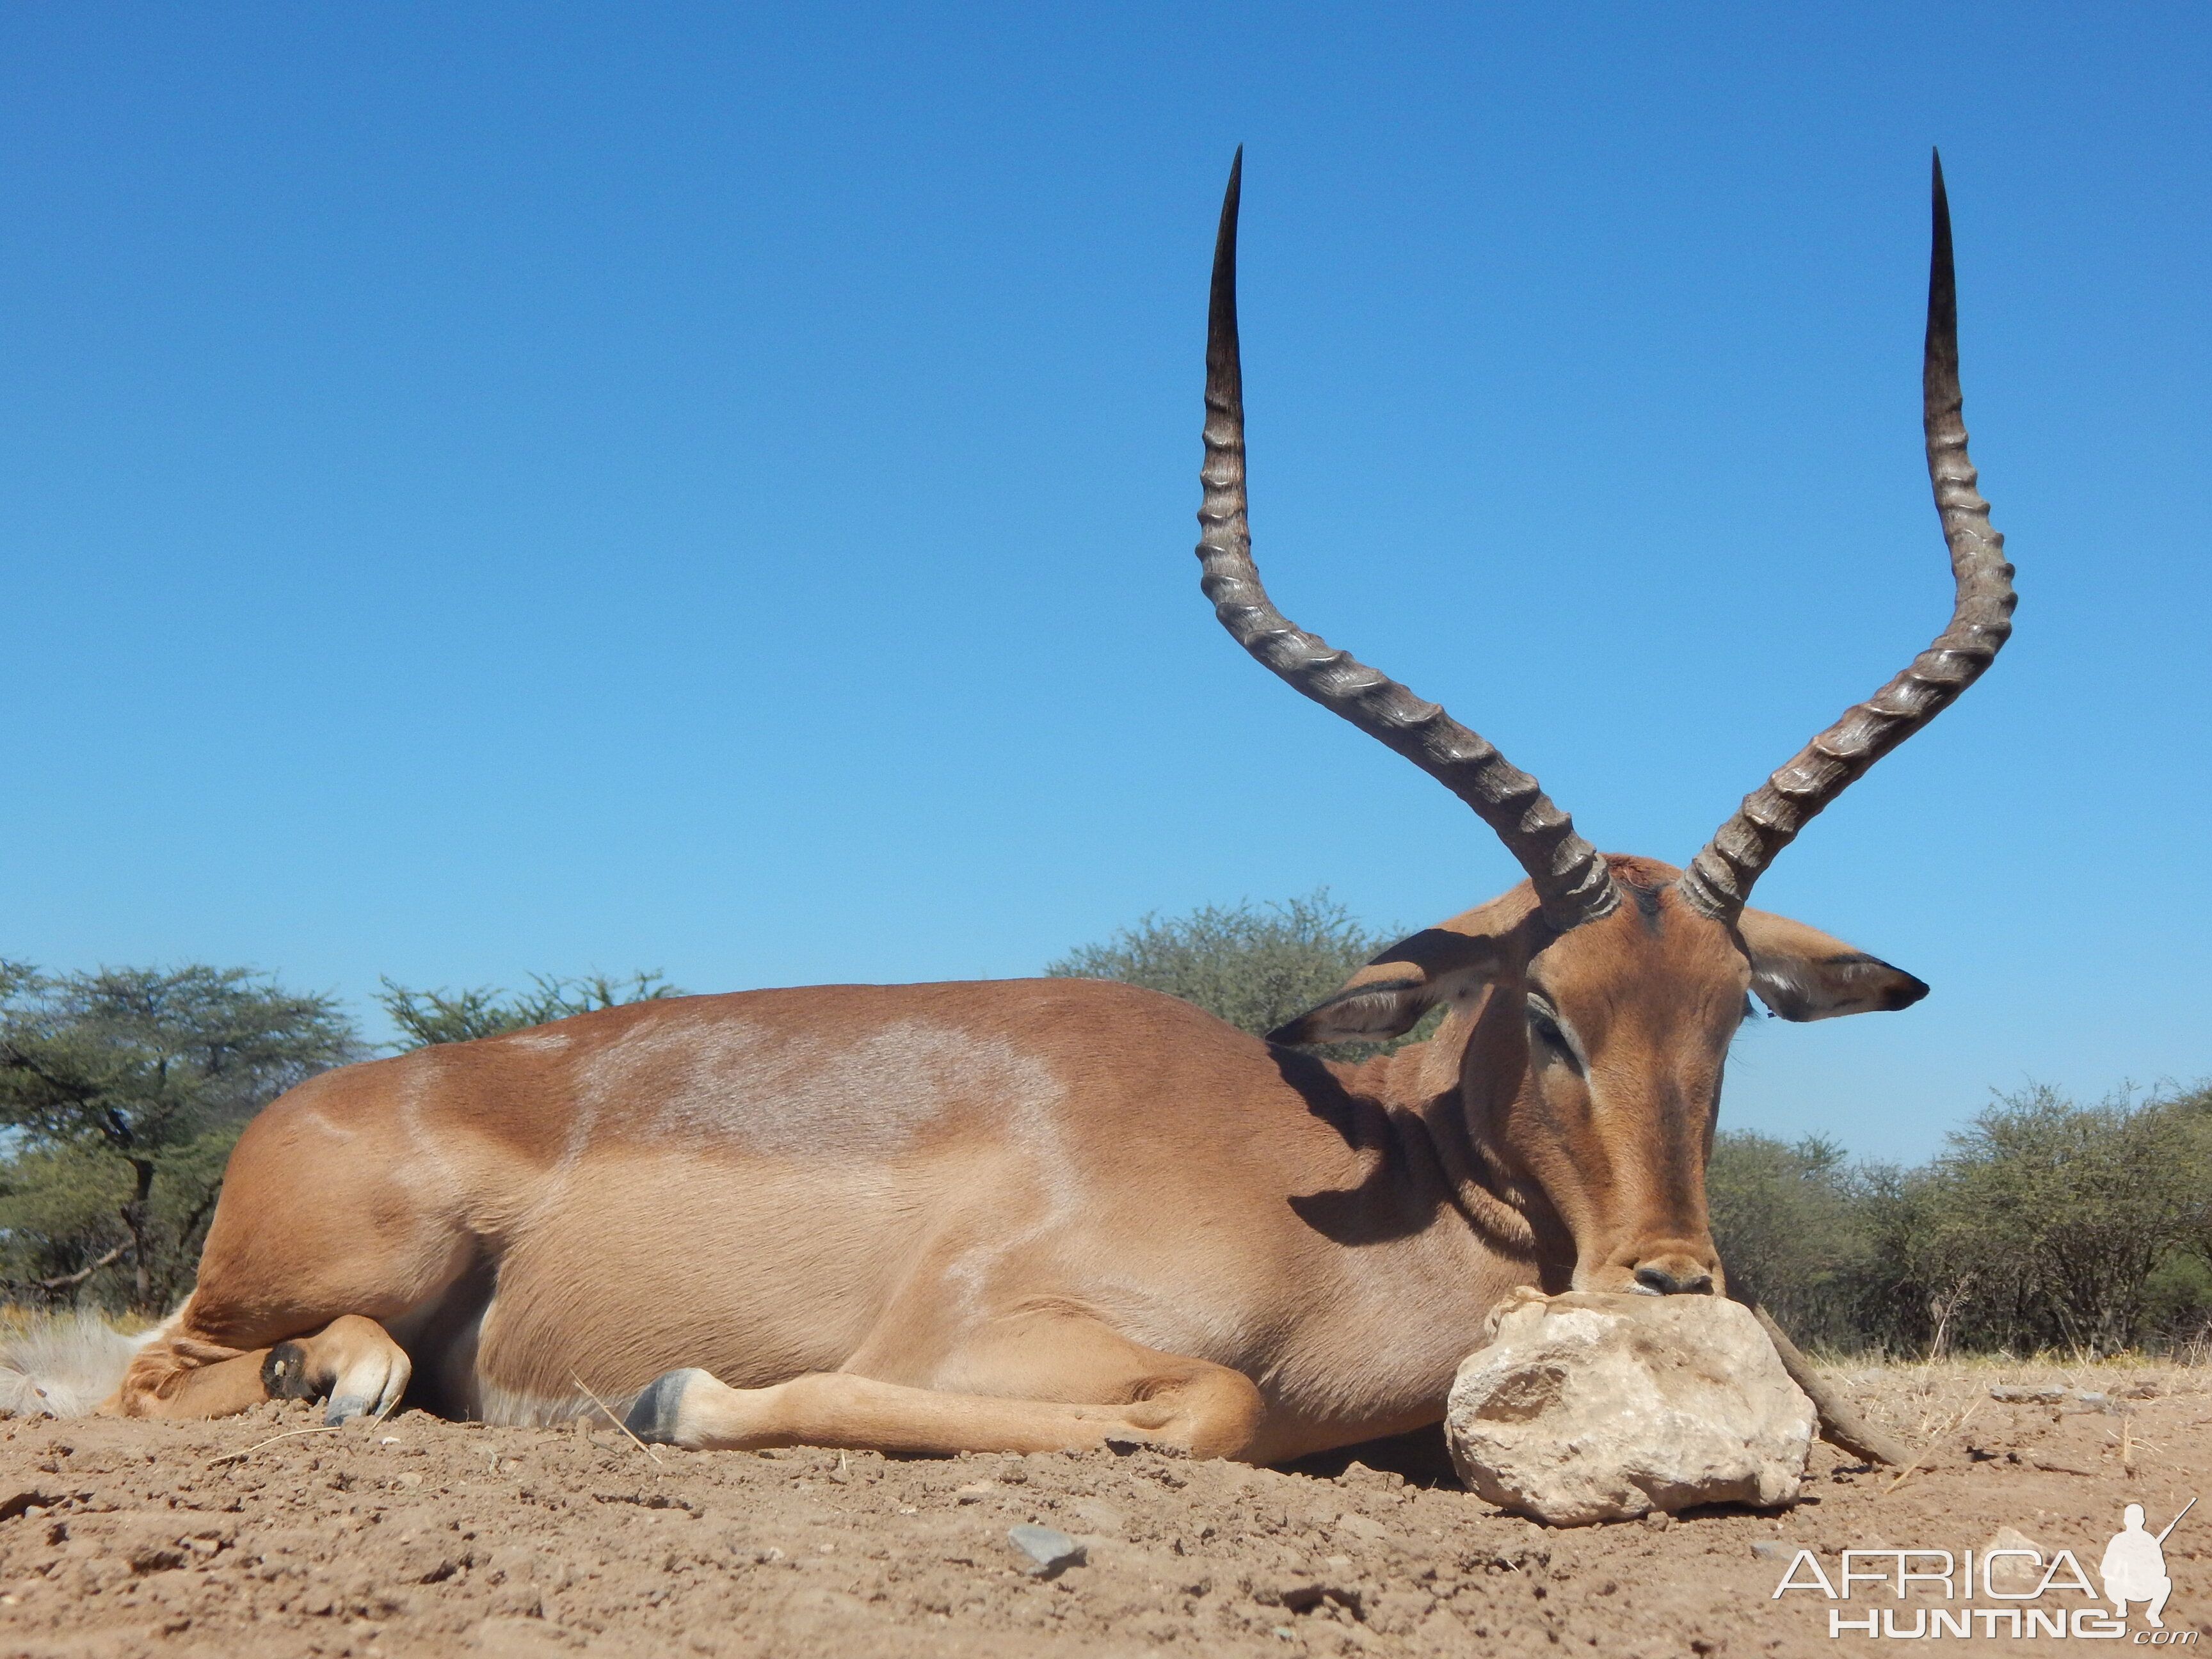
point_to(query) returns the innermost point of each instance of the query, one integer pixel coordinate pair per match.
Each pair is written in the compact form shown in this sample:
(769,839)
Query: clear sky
(493,487)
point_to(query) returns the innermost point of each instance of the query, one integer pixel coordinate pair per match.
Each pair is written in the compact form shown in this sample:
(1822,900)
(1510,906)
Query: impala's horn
(1719,879)
(1570,878)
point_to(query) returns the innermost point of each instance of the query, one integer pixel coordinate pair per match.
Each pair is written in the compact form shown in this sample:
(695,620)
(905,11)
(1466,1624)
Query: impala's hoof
(654,1417)
(344,1408)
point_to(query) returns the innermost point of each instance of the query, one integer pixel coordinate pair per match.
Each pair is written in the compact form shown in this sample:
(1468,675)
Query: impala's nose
(1675,1277)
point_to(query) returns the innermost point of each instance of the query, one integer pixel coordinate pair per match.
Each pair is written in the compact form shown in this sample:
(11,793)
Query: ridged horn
(1570,878)
(1719,879)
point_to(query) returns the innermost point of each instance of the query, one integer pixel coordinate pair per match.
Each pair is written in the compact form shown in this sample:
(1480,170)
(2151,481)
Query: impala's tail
(65,1365)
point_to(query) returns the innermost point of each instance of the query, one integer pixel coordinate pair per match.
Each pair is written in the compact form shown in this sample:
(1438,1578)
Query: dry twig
(1913,1467)
(320,1428)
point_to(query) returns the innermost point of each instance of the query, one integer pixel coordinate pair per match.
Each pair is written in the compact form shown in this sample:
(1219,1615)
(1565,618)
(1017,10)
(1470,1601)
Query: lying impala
(1033,1214)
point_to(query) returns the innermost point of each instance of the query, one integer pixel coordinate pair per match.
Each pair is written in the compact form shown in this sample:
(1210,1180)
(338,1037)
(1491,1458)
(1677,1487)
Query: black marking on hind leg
(284,1374)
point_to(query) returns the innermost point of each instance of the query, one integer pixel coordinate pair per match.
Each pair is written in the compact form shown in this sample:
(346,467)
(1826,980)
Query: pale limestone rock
(1050,1551)
(2013,1574)
(1588,1408)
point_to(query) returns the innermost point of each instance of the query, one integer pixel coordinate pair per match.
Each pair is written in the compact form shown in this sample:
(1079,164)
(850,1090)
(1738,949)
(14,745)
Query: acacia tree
(2059,1214)
(124,1089)
(443,1015)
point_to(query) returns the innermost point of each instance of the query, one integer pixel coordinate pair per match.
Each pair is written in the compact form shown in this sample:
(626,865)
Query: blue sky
(497,486)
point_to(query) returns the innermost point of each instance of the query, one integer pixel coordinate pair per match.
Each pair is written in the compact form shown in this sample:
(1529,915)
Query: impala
(1033,1214)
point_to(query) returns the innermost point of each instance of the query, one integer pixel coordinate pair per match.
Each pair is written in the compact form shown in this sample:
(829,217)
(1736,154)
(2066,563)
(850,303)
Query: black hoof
(654,1417)
(284,1374)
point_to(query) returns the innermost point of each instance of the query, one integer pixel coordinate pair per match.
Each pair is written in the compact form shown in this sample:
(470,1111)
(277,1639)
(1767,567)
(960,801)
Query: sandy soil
(421,1537)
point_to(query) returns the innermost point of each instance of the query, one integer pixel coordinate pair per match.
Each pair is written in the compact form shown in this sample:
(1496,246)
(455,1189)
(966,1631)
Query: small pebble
(1769,1549)
(1050,1551)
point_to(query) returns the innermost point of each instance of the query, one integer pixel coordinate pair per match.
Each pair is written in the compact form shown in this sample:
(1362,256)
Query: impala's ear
(1802,973)
(1387,997)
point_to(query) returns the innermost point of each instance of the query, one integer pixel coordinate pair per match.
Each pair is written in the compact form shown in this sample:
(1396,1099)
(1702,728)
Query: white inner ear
(1849,982)
(1378,1013)
(1370,1015)
(1782,985)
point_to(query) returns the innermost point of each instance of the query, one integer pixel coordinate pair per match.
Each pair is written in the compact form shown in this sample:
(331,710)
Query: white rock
(2013,1574)
(1588,1408)
(1050,1552)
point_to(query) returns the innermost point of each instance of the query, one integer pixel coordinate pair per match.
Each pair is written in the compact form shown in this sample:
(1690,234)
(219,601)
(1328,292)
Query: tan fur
(1007,1214)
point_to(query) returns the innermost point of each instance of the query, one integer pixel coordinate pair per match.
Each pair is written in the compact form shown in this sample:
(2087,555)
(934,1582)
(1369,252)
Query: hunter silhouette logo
(2016,1576)
(2134,1567)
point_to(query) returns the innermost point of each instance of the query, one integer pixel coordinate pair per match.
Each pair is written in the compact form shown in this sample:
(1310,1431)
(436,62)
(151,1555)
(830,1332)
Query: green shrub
(1257,967)
(1786,1220)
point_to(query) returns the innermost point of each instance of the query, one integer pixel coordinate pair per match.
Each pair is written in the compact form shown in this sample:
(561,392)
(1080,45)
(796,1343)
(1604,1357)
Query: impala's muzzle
(1669,1263)
(1673,1275)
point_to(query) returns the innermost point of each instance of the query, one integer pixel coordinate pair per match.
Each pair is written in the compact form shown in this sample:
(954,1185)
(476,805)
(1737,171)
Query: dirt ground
(262,1535)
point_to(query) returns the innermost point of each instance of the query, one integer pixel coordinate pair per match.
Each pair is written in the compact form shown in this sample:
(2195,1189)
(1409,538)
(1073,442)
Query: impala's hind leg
(1033,1383)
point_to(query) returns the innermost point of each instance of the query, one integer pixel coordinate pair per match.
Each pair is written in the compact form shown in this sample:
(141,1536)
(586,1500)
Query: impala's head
(1596,1001)
(1592,1057)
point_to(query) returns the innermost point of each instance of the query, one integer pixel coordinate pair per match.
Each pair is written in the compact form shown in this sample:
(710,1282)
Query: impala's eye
(1545,1026)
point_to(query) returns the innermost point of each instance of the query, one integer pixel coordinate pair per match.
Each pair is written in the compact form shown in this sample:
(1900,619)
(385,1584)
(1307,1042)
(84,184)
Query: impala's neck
(1448,1095)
